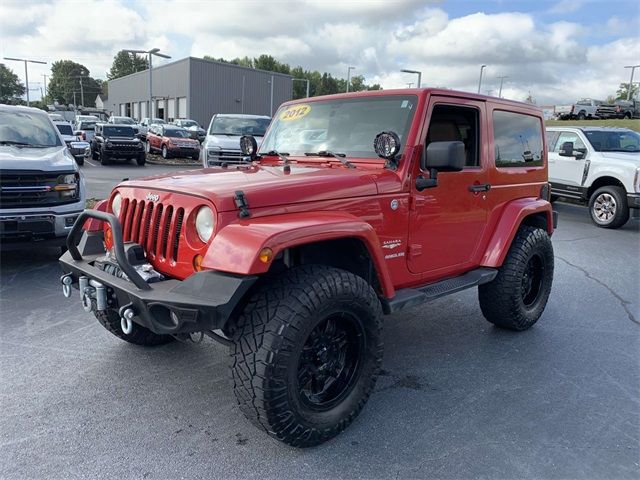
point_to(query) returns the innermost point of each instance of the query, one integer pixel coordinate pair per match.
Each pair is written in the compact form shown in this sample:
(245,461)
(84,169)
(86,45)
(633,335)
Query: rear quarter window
(517,140)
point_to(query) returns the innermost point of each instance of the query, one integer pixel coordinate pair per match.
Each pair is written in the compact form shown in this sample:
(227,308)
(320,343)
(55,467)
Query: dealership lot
(457,397)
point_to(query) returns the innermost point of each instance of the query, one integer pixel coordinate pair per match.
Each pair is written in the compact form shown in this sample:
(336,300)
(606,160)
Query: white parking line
(92,164)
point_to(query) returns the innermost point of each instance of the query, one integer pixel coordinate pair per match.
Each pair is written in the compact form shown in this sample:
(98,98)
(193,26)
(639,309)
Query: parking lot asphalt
(458,398)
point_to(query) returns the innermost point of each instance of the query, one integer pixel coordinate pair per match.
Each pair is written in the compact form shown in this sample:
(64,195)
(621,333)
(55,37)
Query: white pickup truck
(598,166)
(584,109)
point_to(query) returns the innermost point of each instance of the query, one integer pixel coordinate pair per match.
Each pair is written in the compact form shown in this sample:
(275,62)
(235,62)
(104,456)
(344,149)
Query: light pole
(501,82)
(480,81)
(415,72)
(80,77)
(349,76)
(302,80)
(26,73)
(633,69)
(153,51)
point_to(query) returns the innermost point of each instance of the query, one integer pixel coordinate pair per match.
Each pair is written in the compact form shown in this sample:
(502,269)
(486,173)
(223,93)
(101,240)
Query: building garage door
(171,109)
(136,110)
(182,107)
(123,109)
(143,110)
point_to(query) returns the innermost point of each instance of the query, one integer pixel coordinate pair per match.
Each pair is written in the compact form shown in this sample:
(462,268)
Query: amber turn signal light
(266,255)
(197,263)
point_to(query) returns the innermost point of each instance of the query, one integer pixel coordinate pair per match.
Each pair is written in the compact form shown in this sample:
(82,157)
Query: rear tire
(140,335)
(516,298)
(608,207)
(306,352)
(582,116)
(165,152)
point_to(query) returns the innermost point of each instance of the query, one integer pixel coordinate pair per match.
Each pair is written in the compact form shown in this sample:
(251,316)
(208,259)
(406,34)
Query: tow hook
(91,289)
(66,285)
(126,319)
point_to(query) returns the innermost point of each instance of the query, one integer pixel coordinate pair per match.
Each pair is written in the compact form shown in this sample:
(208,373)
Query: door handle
(483,187)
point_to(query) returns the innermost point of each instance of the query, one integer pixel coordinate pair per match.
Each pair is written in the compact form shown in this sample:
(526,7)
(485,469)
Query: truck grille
(125,146)
(219,156)
(155,226)
(32,189)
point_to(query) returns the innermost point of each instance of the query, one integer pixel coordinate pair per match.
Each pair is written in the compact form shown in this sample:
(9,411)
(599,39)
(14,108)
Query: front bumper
(633,200)
(184,151)
(123,153)
(36,227)
(204,301)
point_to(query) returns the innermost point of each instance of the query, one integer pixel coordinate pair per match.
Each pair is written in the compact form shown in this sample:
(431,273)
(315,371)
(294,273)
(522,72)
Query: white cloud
(555,61)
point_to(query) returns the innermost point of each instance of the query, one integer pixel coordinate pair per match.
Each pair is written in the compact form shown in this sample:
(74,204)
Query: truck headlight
(205,223)
(116,204)
(67,185)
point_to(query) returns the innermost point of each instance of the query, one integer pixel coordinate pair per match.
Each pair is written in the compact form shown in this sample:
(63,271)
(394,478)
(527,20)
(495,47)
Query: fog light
(266,255)
(69,221)
(197,263)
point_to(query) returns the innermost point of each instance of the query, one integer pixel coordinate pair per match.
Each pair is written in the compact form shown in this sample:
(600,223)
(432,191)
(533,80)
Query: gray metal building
(197,88)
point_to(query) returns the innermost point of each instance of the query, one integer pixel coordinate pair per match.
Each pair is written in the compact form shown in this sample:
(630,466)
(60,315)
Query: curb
(181,164)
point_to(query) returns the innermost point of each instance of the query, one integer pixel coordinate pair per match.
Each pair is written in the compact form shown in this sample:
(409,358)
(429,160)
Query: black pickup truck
(116,141)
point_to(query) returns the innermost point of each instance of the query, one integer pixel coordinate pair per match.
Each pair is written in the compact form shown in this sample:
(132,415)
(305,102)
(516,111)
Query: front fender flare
(236,247)
(510,220)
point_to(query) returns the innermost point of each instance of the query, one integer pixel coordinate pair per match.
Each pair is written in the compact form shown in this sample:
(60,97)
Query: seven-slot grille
(155,226)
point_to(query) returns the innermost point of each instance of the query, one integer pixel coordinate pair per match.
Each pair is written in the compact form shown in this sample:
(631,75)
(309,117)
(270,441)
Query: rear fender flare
(93,224)
(511,218)
(236,247)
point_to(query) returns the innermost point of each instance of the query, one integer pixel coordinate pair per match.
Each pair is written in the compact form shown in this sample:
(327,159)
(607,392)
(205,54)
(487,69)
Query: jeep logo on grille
(152,197)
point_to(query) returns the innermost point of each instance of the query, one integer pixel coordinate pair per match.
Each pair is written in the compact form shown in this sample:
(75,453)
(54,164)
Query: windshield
(239,126)
(87,125)
(188,123)
(347,126)
(614,141)
(175,133)
(158,121)
(64,129)
(123,120)
(27,129)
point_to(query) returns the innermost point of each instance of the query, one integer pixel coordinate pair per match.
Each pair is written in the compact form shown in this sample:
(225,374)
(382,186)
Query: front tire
(608,207)
(139,335)
(516,298)
(104,158)
(80,161)
(306,353)
(141,160)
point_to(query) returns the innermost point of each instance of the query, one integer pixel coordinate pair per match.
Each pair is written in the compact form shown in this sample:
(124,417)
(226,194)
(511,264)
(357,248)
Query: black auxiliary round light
(387,145)
(248,145)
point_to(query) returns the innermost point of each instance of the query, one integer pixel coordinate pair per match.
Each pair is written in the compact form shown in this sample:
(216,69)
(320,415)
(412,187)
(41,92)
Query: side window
(552,138)
(453,123)
(570,137)
(517,140)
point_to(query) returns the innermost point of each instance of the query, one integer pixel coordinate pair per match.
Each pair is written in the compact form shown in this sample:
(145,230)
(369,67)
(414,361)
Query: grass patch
(618,122)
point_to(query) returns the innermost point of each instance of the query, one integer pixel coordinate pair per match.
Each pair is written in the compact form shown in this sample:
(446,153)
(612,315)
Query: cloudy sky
(558,50)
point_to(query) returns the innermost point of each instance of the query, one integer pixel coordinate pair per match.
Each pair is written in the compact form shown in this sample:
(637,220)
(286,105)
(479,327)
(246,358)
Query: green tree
(11,89)
(623,90)
(126,63)
(68,77)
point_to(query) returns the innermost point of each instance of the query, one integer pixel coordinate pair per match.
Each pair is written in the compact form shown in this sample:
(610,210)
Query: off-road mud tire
(140,335)
(504,301)
(268,340)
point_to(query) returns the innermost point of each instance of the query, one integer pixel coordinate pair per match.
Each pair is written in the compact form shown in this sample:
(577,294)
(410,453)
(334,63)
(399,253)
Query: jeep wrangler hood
(266,186)
(45,159)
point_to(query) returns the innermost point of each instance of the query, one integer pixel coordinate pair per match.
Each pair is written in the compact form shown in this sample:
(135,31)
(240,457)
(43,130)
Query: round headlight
(205,222)
(116,203)
(387,145)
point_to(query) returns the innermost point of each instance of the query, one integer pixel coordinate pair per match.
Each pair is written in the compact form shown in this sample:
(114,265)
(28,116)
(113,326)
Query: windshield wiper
(22,144)
(274,153)
(329,153)
(227,134)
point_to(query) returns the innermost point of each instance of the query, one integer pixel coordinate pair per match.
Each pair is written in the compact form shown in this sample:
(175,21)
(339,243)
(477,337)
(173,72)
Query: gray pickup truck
(41,189)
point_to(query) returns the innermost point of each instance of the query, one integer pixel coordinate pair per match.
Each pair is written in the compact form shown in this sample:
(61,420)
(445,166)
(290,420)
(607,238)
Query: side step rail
(409,297)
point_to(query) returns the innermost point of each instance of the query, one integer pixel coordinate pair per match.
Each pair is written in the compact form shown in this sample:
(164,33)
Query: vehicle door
(567,162)
(447,221)
(156,140)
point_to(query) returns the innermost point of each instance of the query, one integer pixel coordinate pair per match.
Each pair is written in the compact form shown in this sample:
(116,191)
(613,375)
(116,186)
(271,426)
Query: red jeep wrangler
(355,205)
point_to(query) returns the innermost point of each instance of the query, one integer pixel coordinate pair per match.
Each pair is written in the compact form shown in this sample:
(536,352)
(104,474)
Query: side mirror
(566,150)
(445,156)
(440,157)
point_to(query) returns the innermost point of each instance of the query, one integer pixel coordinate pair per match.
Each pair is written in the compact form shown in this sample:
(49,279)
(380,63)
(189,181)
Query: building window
(517,140)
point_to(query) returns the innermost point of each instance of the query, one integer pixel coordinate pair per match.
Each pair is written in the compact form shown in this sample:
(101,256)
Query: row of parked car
(125,138)
(588,108)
